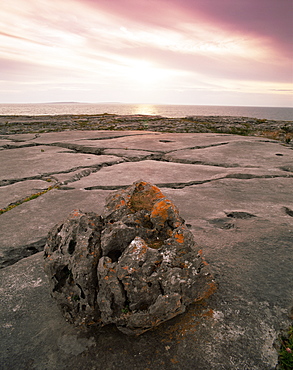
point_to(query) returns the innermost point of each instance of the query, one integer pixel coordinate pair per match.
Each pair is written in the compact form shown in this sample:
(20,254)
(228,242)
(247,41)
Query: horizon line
(123,103)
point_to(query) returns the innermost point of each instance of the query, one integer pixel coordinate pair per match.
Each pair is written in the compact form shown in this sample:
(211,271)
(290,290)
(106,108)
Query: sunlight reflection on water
(145,109)
(276,113)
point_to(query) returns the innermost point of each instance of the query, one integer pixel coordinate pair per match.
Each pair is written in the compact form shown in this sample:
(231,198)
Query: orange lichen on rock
(122,203)
(160,211)
(74,214)
(209,290)
(144,197)
(174,360)
(179,238)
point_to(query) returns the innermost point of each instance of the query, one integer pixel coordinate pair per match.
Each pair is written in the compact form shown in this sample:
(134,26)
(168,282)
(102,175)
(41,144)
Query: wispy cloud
(136,50)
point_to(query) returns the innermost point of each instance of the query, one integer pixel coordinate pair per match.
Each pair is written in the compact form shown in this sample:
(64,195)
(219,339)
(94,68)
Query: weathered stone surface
(236,328)
(13,193)
(71,253)
(29,162)
(136,267)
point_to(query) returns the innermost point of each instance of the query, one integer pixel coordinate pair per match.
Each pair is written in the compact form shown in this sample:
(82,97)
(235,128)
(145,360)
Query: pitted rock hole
(71,247)
(239,214)
(135,266)
(288,211)
(114,255)
(61,276)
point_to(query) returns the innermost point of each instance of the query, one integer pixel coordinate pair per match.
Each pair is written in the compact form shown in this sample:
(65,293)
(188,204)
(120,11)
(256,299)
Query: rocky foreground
(235,193)
(135,266)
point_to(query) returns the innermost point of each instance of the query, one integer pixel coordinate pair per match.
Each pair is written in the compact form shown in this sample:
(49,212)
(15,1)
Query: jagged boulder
(135,266)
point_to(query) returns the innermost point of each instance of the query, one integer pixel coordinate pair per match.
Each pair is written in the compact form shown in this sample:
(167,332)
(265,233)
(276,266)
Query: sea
(273,113)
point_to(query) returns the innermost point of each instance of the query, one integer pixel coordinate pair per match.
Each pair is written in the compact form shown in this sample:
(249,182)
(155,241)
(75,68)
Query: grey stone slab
(161,142)
(130,154)
(15,144)
(263,197)
(160,173)
(31,221)
(152,171)
(15,192)
(67,178)
(209,208)
(72,176)
(5,142)
(39,160)
(21,137)
(239,154)
(25,336)
(53,137)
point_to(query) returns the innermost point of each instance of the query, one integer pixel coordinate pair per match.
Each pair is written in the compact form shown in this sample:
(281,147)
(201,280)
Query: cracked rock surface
(136,267)
(235,193)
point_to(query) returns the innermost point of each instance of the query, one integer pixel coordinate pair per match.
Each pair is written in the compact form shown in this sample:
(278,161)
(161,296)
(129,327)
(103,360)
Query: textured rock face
(71,255)
(136,266)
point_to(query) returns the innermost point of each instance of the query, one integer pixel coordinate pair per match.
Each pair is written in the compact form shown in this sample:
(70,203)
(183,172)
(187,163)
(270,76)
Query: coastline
(247,126)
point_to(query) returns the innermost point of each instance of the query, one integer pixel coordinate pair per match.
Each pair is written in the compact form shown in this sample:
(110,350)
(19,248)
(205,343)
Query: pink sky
(217,52)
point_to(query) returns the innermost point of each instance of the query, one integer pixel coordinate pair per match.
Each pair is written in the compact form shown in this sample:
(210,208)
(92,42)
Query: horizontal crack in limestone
(87,172)
(25,145)
(14,255)
(100,151)
(197,162)
(117,137)
(171,185)
(247,176)
(6,182)
(181,185)
(96,167)
(199,147)
(106,187)
(79,148)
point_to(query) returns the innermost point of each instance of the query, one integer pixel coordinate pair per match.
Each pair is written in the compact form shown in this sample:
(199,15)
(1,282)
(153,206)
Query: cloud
(267,19)
(175,46)
(262,18)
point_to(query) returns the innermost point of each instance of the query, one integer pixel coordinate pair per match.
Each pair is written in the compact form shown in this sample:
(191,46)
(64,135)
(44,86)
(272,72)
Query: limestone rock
(71,256)
(136,266)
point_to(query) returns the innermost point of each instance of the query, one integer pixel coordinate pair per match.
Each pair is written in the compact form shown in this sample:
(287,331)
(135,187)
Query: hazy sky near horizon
(217,52)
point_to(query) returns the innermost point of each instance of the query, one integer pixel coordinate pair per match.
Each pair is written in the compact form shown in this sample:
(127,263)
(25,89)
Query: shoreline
(247,126)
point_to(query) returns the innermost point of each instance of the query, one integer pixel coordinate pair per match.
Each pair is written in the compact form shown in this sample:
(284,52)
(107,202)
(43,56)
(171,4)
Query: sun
(145,73)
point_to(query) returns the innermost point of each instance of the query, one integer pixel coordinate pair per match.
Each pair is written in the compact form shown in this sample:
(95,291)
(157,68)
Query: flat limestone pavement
(235,194)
